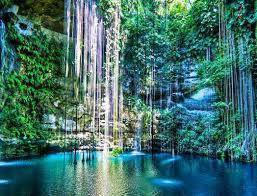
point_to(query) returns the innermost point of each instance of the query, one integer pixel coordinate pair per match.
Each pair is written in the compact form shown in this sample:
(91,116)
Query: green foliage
(137,106)
(5,3)
(161,36)
(206,135)
(241,16)
(147,44)
(107,10)
(170,122)
(30,91)
(195,142)
(205,18)
(117,151)
(212,73)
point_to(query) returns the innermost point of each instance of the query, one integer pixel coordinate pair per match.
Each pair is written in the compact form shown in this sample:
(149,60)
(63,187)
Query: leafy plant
(117,151)
(30,91)
(5,3)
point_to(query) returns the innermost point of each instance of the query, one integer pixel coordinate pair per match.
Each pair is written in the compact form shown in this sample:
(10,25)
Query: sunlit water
(129,174)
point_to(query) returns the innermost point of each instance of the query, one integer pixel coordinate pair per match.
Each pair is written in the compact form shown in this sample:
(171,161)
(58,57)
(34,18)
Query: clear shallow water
(130,174)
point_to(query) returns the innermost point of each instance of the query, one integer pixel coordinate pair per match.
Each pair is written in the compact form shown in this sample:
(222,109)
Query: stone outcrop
(7,52)
(24,26)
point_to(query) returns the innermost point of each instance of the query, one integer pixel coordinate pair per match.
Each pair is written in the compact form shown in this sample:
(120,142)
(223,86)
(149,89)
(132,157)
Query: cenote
(127,174)
(145,86)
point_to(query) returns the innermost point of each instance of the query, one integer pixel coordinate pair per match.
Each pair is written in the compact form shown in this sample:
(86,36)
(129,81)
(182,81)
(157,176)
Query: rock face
(1,140)
(201,104)
(2,44)
(24,27)
(137,139)
(201,100)
(50,13)
(182,93)
(7,53)
(13,9)
(50,121)
(68,125)
(177,92)
(8,56)
(190,75)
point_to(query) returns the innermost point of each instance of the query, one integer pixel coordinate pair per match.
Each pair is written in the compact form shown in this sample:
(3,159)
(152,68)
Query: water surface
(132,174)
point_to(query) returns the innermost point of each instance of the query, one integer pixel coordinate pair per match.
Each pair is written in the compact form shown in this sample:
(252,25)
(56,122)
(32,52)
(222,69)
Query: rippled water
(130,174)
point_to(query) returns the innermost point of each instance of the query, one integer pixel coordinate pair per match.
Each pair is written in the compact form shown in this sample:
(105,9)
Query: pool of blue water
(132,174)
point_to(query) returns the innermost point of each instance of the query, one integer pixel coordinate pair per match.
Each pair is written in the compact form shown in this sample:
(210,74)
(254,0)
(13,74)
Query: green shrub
(30,91)
(5,3)
(117,151)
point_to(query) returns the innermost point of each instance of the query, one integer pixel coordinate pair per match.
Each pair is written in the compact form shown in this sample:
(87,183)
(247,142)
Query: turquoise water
(129,174)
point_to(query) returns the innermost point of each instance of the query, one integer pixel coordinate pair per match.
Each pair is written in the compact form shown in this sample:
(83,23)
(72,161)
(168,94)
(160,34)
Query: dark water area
(129,174)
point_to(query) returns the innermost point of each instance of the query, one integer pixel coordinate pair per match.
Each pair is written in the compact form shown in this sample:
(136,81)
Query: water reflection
(127,174)
(170,160)
(4,181)
(15,164)
(167,183)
